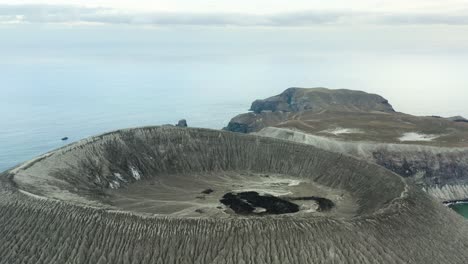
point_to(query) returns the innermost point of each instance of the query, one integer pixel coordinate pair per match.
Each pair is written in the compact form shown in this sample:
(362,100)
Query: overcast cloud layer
(69,14)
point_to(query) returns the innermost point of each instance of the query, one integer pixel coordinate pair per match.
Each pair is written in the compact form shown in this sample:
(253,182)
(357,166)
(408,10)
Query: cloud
(426,19)
(76,14)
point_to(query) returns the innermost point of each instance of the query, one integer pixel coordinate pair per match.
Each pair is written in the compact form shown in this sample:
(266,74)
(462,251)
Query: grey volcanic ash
(155,195)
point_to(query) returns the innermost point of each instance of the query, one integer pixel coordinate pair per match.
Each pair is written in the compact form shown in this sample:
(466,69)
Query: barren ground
(183,195)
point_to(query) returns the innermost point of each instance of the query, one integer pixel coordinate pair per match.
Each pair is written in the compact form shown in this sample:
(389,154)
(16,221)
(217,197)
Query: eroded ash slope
(54,209)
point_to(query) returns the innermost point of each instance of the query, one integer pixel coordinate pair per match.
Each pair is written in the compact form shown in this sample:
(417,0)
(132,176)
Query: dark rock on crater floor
(207,191)
(248,202)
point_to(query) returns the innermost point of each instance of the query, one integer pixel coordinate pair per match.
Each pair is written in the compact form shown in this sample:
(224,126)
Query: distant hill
(319,99)
(349,115)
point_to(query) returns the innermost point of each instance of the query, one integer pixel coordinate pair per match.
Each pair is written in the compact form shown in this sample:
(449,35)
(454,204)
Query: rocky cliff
(284,106)
(318,99)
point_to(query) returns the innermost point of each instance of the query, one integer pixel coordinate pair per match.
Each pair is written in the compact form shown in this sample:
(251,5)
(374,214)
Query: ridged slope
(49,207)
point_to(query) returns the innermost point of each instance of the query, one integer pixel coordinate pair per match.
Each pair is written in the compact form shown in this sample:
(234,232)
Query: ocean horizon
(59,83)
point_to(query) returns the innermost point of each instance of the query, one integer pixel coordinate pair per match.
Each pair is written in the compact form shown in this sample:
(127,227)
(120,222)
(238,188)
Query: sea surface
(461,208)
(79,81)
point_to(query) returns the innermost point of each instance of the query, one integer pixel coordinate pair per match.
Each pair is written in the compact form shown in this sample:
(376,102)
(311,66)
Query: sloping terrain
(63,207)
(439,171)
(430,151)
(351,116)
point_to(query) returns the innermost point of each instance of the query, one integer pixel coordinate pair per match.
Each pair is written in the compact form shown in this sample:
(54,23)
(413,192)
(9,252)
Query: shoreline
(452,202)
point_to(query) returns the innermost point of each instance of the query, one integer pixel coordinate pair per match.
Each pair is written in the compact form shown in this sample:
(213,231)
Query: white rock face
(114,185)
(339,130)
(119,176)
(136,174)
(448,192)
(356,148)
(413,136)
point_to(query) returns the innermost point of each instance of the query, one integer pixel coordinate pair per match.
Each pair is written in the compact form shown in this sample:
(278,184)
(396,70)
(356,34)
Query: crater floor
(200,195)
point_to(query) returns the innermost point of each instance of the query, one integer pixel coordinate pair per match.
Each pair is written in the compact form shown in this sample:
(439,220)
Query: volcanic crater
(183,195)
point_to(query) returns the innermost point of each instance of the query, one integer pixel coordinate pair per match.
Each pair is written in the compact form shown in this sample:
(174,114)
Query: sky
(260,6)
(422,43)
(297,13)
(81,67)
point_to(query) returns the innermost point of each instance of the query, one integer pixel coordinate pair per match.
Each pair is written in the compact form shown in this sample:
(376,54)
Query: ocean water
(461,208)
(78,81)
(77,101)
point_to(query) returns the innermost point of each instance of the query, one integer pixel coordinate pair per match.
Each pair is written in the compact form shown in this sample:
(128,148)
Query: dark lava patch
(253,203)
(246,202)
